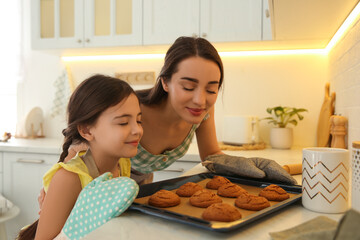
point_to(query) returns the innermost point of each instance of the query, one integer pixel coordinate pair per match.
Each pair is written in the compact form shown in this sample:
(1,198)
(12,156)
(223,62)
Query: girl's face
(193,89)
(118,130)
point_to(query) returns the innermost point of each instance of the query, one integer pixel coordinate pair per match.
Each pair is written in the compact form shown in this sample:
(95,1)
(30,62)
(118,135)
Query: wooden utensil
(327,109)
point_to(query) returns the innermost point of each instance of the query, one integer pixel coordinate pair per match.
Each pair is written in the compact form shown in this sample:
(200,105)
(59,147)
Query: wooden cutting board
(327,109)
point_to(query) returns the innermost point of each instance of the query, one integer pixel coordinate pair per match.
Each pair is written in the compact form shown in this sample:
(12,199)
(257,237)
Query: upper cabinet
(105,23)
(86,23)
(215,20)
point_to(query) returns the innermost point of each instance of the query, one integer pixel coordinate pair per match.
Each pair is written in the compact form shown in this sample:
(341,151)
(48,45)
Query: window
(10,63)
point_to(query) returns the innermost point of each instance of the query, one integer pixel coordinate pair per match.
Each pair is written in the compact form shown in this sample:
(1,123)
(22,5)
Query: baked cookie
(230,190)
(222,212)
(251,202)
(274,193)
(164,198)
(188,189)
(204,198)
(216,182)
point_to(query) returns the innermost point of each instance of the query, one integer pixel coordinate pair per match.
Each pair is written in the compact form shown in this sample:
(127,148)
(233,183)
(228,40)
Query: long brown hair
(182,48)
(92,97)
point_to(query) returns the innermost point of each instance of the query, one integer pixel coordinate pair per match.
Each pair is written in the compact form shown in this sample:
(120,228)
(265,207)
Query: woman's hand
(73,150)
(247,167)
(41,198)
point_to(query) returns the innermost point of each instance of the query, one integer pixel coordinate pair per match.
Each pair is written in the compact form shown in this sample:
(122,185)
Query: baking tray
(180,214)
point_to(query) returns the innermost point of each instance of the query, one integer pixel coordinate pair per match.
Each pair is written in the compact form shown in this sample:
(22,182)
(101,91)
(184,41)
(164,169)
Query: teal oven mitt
(101,200)
(247,167)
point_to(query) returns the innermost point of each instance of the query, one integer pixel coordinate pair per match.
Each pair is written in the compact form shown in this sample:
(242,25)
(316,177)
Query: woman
(182,103)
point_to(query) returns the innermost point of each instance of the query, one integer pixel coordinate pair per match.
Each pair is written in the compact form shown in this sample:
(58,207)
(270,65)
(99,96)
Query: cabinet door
(113,23)
(23,174)
(57,24)
(231,20)
(165,21)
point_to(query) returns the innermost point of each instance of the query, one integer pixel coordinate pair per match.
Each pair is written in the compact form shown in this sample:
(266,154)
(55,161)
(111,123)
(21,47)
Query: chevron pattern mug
(325,179)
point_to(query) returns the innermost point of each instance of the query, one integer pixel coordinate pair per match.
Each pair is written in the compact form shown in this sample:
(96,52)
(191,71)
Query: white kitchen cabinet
(215,20)
(86,23)
(23,174)
(174,170)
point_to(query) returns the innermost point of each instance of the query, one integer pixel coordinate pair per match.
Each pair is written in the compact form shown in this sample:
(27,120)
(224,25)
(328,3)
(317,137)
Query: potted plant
(281,136)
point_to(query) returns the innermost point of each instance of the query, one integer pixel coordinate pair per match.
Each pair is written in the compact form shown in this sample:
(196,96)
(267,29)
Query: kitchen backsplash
(344,75)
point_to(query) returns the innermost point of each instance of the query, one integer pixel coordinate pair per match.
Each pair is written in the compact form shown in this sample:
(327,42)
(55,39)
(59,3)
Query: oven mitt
(247,167)
(101,200)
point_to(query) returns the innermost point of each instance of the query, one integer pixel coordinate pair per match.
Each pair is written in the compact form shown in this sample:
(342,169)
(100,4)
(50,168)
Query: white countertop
(38,145)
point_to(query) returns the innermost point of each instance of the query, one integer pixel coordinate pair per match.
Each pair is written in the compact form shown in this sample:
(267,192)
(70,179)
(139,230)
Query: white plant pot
(281,138)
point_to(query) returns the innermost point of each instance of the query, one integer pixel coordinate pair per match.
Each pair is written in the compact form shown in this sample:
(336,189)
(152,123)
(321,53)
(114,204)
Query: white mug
(325,179)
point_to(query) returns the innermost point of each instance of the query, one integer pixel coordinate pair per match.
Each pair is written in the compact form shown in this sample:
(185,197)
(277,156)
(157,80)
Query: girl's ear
(84,131)
(164,85)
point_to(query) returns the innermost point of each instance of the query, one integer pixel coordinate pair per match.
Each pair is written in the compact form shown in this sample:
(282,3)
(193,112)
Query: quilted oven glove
(101,200)
(247,167)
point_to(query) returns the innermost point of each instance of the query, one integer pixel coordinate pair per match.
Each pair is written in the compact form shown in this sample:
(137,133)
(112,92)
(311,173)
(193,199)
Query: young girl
(104,113)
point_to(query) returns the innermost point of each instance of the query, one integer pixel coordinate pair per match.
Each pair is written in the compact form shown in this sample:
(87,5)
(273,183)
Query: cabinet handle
(79,41)
(87,40)
(173,170)
(39,161)
(194,35)
(204,35)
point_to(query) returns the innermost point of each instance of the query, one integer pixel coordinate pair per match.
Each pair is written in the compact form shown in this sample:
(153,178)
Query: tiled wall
(344,75)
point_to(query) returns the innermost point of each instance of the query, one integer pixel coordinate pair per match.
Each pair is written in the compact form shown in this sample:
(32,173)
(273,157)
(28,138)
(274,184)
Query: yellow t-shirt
(77,165)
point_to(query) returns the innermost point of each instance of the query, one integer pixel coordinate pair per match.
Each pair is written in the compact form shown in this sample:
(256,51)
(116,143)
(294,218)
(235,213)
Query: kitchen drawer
(22,181)
(175,170)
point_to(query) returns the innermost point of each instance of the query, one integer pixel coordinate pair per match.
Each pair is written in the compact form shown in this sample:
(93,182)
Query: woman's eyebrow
(197,81)
(190,79)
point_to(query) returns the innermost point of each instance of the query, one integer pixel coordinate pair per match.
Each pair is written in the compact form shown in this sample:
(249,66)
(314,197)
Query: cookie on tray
(188,189)
(204,198)
(274,193)
(164,198)
(222,212)
(216,182)
(230,190)
(251,202)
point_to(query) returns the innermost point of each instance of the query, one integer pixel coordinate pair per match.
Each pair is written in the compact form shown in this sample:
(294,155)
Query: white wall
(252,84)
(344,75)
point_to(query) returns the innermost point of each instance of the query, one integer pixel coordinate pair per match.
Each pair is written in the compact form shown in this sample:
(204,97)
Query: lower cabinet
(23,174)
(174,170)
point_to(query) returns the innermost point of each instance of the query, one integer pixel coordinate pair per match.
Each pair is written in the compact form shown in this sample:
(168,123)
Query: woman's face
(193,89)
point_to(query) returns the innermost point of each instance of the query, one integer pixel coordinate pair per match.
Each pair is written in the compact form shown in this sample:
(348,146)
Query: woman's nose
(199,98)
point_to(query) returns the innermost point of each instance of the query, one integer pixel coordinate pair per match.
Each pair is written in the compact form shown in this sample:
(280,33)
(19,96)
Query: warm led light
(334,40)
(344,27)
(272,52)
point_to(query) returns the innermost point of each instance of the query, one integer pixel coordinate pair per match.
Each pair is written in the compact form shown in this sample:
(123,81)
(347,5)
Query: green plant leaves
(281,116)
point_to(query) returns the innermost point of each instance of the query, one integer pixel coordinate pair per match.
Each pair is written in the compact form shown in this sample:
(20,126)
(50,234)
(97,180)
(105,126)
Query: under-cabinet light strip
(355,13)
(349,21)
